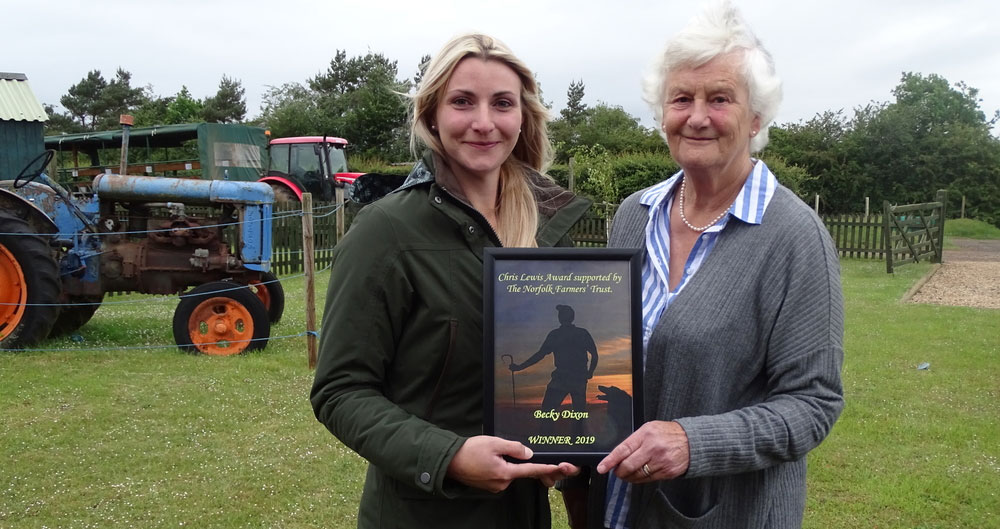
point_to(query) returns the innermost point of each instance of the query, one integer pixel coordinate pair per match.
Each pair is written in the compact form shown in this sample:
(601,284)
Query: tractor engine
(162,249)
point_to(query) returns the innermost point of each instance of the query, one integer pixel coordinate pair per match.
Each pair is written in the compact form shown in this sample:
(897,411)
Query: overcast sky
(831,54)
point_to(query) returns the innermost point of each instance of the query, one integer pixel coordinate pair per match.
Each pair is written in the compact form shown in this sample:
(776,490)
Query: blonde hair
(517,214)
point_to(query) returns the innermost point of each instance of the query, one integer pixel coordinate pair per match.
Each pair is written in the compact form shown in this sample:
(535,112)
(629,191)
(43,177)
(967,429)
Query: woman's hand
(658,450)
(479,463)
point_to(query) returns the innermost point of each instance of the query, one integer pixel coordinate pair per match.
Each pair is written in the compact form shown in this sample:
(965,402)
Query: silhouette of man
(569,346)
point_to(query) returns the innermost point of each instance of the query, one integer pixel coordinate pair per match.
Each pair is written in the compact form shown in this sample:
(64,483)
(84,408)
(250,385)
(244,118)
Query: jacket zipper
(473,211)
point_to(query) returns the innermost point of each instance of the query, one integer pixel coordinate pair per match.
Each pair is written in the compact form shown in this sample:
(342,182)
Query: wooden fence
(914,233)
(856,235)
(287,253)
(590,231)
(593,229)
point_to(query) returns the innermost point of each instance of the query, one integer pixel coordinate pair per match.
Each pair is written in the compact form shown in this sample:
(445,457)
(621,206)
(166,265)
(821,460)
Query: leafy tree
(183,108)
(291,110)
(152,112)
(541,95)
(83,100)
(345,76)
(933,136)
(358,98)
(597,176)
(609,126)
(816,148)
(421,69)
(576,109)
(119,97)
(97,103)
(618,131)
(228,105)
(60,123)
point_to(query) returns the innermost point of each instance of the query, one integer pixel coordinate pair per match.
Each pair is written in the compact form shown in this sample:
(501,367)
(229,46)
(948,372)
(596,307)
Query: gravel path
(968,277)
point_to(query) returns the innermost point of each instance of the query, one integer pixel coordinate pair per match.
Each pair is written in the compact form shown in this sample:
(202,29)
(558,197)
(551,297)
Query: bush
(789,175)
(635,171)
(372,164)
(560,173)
(612,177)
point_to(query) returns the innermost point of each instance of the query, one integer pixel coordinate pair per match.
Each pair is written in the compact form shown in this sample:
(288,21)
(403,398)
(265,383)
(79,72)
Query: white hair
(719,30)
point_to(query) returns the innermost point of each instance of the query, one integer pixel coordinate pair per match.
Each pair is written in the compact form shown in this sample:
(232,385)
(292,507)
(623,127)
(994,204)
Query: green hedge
(631,172)
(628,172)
(371,164)
(608,177)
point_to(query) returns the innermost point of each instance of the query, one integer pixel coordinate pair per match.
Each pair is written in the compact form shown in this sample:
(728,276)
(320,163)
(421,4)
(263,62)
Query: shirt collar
(749,205)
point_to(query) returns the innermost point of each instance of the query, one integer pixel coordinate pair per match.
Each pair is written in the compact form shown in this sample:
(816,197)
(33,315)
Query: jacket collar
(559,209)
(422,173)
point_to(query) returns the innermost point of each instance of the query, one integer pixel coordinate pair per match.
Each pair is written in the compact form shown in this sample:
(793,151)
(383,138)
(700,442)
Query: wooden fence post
(816,207)
(963,208)
(866,206)
(942,197)
(309,267)
(339,199)
(572,178)
(886,231)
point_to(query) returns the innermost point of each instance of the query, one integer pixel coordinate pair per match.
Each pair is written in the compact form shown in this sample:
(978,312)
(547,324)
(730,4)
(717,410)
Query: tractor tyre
(283,195)
(220,318)
(75,314)
(272,294)
(29,285)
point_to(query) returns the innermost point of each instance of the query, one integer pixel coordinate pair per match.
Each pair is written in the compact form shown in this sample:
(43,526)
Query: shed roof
(17,101)
(160,136)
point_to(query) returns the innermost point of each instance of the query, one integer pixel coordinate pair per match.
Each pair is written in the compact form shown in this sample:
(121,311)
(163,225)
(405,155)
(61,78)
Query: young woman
(399,378)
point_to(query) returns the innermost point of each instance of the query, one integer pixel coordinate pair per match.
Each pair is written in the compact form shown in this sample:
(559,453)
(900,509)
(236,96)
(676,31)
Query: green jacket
(400,376)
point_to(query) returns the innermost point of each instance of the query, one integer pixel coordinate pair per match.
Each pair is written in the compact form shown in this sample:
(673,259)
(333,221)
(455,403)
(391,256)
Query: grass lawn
(123,432)
(970,229)
(913,448)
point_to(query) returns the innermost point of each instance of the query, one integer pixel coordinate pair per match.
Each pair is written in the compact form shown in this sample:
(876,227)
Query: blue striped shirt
(656,295)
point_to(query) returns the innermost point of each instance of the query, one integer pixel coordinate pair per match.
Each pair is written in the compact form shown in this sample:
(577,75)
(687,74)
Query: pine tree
(576,109)
(228,105)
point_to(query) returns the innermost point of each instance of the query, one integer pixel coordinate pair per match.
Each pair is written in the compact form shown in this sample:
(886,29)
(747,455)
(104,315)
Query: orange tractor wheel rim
(13,292)
(220,326)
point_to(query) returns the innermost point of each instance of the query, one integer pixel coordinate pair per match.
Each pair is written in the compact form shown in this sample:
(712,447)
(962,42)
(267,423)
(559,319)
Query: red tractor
(313,164)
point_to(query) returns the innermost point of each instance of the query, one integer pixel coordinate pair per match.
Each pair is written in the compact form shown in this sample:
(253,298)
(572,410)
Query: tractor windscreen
(338,162)
(305,162)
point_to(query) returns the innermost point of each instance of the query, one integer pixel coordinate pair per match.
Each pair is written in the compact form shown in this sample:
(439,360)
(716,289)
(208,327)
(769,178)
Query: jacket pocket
(711,502)
(660,511)
(452,339)
(683,503)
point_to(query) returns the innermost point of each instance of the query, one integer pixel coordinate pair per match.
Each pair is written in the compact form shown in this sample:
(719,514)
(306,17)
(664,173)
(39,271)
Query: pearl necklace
(707,226)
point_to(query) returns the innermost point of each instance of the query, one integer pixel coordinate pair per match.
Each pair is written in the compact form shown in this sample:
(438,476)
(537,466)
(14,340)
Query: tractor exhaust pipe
(126,122)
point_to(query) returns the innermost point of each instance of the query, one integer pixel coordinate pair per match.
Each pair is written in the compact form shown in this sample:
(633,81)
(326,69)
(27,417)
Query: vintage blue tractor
(208,240)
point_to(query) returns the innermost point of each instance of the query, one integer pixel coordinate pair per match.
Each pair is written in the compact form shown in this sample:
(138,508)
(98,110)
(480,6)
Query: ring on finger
(645,470)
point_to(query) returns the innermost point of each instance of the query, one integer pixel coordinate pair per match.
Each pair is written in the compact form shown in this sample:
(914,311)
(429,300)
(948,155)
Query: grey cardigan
(747,359)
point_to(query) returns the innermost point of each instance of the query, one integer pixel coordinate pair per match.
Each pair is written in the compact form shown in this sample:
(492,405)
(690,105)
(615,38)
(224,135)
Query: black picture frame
(526,292)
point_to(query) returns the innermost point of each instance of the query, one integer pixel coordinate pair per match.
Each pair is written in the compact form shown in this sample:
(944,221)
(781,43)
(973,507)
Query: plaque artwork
(563,351)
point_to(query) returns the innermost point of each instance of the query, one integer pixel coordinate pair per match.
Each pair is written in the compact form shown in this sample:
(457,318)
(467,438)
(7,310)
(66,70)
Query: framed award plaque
(563,349)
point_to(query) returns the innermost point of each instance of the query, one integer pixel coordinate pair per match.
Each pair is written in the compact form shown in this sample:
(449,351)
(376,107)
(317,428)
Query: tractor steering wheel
(27,175)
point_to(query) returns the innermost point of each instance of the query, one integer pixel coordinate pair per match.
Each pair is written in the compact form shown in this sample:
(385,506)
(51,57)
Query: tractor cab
(314,164)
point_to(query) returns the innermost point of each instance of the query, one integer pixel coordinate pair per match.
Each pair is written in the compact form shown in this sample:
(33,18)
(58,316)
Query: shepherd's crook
(510,363)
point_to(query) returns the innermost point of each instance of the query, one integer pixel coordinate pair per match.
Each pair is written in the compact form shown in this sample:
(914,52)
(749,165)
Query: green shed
(22,119)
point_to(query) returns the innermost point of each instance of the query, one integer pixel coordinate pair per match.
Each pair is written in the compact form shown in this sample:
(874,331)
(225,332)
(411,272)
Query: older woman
(399,378)
(742,307)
